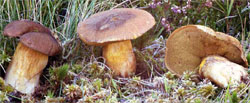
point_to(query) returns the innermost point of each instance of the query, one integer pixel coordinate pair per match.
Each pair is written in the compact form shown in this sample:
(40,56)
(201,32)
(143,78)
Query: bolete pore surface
(187,46)
(114,29)
(31,55)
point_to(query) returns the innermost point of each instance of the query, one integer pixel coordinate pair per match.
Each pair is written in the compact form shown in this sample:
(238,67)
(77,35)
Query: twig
(228,17)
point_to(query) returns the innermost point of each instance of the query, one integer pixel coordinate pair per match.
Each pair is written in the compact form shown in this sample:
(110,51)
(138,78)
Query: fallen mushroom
(114,29)
(221,71)
(31,54)
(187,46)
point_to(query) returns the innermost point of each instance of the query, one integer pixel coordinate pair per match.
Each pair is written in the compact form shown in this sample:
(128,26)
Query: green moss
(4,87)
(3,97)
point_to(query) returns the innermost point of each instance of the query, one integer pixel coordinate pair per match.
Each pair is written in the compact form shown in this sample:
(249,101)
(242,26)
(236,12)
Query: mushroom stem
(25,68)
(221,71)
(120,57)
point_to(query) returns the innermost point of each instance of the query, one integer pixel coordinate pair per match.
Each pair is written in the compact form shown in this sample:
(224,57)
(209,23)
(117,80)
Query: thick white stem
(25,68)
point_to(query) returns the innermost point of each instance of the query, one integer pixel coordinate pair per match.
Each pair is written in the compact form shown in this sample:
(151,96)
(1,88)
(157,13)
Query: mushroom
(187,46)
(31,55)
(114,29)
(221,71)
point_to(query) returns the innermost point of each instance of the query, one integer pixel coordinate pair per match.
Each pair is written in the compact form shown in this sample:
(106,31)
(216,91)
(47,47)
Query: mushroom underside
(25,68)
(187,46)
(120,58)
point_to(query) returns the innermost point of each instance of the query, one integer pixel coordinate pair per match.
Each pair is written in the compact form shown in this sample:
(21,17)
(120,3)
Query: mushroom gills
(222,71)
(120,58)
(26,66)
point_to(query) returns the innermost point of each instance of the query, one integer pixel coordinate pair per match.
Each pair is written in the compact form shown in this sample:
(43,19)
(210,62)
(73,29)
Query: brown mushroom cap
(20,27)
(188,45)
(115,25)
(41,42)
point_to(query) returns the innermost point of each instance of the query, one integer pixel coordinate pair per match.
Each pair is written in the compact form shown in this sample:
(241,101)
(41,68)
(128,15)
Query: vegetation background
(79,73)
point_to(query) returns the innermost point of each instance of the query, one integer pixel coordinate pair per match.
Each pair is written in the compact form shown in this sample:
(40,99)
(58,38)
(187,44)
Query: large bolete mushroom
(114,29)
(187,46)
(31,55)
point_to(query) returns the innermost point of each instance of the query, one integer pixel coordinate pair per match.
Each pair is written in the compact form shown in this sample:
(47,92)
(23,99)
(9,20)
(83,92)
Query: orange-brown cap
(41,42)
(115,25)
(188,45)
(20,27)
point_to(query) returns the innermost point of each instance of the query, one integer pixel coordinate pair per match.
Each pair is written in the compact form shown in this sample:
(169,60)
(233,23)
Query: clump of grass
(60,72)
(72,92)
(207,90)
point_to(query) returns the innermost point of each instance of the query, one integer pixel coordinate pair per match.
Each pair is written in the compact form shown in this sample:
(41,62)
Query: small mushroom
(221,71)
(187,46)
(31,54)
(114,29)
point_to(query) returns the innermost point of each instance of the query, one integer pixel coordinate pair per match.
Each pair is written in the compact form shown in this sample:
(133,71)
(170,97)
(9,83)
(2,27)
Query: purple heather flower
(184,9)
(166,24)
(198,21)
(176,9)
(163,21)
(168,28)
(152,5)
(188,4)
(158,3)
(209,3)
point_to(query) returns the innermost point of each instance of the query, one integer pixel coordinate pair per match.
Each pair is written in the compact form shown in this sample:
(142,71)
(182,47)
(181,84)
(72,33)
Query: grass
(83,75)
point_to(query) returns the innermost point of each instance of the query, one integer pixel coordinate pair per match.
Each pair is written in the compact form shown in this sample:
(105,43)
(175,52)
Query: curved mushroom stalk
(120,58)
(26,66)
(221,71)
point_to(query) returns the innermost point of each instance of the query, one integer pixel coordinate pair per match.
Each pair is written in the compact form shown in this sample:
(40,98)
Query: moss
(4,87)
(3,97)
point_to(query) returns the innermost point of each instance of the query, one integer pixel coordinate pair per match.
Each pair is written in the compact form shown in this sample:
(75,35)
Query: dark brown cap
(188,45)
(41,42)
(20,27)
(115,25)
